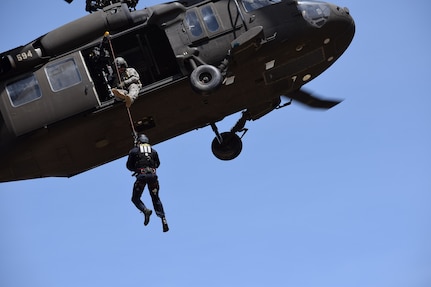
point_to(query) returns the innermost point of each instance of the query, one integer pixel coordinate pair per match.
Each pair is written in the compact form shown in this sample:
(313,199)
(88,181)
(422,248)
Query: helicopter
(198,61)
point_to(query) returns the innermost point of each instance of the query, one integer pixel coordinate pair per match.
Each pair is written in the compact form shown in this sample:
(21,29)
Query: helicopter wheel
(206,79)
(230,147)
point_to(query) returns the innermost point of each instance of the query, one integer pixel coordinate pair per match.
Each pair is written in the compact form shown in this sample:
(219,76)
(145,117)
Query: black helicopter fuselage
(197,64)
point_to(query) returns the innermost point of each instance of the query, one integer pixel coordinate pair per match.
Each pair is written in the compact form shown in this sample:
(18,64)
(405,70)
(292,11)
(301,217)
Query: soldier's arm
(156,159)
(133,77)
(131,160)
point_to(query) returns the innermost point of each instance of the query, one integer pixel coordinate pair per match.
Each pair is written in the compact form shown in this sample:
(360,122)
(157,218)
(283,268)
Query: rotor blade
(68,1)
(308,99)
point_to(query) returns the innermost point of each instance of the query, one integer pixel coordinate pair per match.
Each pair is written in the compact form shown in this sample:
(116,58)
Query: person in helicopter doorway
(143,160)
(128,85)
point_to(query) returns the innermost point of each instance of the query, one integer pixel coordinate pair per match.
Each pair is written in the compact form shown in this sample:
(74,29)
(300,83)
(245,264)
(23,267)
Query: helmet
(120,62)
(143,139)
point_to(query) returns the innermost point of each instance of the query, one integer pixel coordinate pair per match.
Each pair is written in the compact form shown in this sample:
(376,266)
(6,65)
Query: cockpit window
(63,75)
(315,13)
(251,5)
(193,24)
(210,18)
(24,91)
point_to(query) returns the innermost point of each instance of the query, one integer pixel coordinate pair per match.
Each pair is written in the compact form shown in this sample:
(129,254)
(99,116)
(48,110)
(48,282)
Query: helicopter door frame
(60,89)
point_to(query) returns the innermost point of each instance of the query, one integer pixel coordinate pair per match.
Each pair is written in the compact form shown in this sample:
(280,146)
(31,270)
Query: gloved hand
(121,85)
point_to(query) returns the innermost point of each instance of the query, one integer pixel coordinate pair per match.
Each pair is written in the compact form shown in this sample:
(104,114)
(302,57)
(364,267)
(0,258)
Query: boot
(123,96)
(147,214)
(129,101)
(165,225)
(118,93)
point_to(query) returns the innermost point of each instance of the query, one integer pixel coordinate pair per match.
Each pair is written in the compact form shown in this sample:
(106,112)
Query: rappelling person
(143,160)
(128,85)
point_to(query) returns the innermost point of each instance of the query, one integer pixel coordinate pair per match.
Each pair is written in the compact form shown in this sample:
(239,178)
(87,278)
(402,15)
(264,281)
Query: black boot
(165,225)
(147,213)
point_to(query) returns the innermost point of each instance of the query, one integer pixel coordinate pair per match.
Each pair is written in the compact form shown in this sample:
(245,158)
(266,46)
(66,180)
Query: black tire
(230,147)
(206,79)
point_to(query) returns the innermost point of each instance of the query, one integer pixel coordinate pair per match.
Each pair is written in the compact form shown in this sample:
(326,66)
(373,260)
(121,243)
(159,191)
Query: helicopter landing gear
(228,145)
(206,79)
(229,148)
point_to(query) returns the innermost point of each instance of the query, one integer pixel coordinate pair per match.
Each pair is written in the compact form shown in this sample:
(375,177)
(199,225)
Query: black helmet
(143,139)
(120,62)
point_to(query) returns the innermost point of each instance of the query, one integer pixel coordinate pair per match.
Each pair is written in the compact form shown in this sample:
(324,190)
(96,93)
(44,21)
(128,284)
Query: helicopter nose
(346,26)
(330,19)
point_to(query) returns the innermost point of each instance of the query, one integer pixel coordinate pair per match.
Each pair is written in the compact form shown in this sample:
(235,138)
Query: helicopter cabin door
(58,90)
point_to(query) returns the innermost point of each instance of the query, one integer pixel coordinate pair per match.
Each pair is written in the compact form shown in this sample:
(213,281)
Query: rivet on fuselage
(269,65)
(229,80)
(306,77)
(299,47)
(326,41)
(330,59)
(102,143)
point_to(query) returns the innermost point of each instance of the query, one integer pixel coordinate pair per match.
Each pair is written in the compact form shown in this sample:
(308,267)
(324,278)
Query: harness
(145,161)
(147,170)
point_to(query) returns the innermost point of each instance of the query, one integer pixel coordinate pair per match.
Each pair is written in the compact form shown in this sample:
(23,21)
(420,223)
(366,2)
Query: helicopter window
(210,19)
(24,91)
(315,13)
(251,5)
(193,24)
(63,75)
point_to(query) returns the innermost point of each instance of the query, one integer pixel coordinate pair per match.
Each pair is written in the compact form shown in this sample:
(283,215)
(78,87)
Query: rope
(107,35)
(135,134)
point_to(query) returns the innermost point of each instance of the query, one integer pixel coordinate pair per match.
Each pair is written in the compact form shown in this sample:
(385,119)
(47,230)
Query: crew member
(128,85)
(143,160)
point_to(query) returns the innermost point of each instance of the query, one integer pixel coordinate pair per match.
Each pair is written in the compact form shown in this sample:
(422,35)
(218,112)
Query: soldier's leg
(157,203)
(124,95)
(120,94)
(154,187)
(138,189)
(134,91)
(131,95)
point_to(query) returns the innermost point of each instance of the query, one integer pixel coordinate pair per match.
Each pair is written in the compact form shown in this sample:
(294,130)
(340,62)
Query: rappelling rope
(107,36)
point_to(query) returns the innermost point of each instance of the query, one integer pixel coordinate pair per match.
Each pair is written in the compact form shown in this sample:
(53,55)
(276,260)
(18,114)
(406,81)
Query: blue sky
(337,198)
